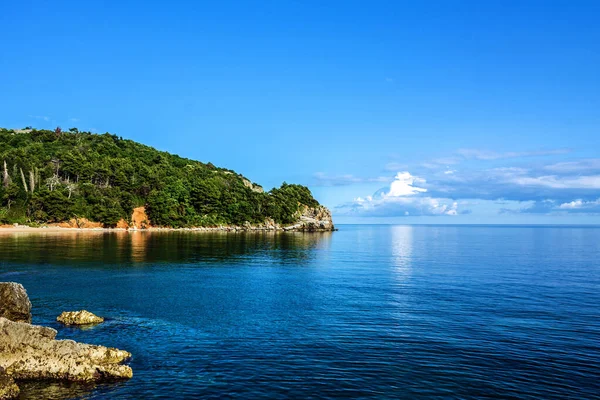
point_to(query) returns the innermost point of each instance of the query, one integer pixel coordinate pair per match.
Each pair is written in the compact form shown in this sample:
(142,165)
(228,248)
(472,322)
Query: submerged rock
(57,390)
(8,387)
(82,317)
(14,302)
(32,352)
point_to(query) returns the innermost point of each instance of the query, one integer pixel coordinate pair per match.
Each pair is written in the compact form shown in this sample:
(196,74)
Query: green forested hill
(53,176)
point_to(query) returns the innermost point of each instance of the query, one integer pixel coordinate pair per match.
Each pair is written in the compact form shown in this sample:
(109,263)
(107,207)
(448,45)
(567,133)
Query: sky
(389,111)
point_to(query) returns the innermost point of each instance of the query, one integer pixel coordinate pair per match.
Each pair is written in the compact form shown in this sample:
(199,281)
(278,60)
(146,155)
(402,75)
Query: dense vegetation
(53,176)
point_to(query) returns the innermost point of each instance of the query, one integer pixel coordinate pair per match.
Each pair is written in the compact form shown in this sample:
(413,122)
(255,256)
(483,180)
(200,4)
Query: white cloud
(403,185)
(509,170)
(552,188)
(572,204)
(567,167)
(403,197)
(552,207)
(323,179)
(578,204)
(492,155)
(466,154)
(557,182)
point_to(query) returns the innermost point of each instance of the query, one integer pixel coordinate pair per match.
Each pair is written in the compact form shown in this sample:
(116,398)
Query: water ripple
(367,312)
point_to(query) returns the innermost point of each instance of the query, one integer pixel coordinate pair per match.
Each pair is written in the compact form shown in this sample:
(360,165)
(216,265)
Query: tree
(54,206)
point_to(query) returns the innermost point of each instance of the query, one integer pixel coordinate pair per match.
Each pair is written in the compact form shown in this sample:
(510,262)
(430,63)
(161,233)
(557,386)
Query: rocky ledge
(308,219)
(33,352)
(313,219)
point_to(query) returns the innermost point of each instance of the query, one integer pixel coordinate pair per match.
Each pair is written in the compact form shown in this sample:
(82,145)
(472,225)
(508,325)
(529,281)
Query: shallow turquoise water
(404,312)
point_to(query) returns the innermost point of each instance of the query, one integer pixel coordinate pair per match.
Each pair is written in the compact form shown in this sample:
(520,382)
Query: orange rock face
(139,218)
(79,223)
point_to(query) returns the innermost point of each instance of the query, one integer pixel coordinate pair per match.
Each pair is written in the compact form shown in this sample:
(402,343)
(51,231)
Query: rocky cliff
(313,219)
(308,219)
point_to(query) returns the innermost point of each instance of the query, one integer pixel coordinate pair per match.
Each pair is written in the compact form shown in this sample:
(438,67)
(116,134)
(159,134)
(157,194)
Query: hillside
(54,176)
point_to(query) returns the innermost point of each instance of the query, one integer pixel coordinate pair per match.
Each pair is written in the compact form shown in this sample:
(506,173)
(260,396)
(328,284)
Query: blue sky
(390,111)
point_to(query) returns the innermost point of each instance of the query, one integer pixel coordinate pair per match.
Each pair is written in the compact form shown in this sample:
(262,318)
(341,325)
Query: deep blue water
(407,312)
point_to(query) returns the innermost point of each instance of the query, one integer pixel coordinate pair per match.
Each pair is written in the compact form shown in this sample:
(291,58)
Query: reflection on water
(138,246)
(157,247)
(402,246)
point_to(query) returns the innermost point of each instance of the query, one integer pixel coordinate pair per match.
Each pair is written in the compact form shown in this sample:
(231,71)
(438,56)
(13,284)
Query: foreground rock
(14,302)
(8,388)
(32,352)
(82,317)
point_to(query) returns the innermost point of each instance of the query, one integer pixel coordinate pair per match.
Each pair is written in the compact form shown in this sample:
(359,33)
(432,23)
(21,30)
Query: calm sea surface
(406,312)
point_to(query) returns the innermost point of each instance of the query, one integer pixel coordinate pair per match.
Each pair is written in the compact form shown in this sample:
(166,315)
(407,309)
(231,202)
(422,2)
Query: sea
(369,311)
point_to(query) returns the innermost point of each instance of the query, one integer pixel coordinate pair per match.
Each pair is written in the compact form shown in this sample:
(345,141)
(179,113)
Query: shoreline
(226,229)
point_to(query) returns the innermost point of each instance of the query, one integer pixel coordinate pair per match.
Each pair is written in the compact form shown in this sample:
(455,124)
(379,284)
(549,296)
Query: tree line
(54,176)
